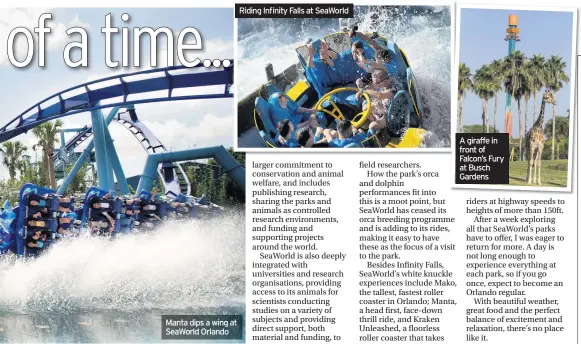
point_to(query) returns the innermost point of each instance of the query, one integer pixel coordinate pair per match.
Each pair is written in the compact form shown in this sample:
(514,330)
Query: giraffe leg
(538,179)
(534,163)
(539,155)
(530,168)
(531,158)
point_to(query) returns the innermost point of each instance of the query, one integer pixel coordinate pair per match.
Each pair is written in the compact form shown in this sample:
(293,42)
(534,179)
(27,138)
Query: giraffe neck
(541,119)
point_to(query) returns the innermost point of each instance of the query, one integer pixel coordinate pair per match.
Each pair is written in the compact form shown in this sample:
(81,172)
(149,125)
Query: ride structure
(512,36)
(333,94)
(119,95)
(173,172)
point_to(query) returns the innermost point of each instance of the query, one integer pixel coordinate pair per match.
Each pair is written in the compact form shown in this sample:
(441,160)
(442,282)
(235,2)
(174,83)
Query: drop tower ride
(512,37)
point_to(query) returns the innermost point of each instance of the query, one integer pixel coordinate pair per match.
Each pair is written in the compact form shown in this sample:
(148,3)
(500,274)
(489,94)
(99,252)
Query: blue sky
(203,122)
(482,33)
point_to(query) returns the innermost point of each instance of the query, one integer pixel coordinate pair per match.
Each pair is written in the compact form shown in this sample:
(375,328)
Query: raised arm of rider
(303,110)
(311,56)
(327,134)
(111,221)
(380,95)
(377,65)
(303,124)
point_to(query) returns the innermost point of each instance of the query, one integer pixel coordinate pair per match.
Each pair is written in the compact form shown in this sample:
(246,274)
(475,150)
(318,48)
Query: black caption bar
(482,158)
(215,327)
(294,10)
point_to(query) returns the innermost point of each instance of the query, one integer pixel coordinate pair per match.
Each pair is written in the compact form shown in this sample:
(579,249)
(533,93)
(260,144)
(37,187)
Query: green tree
(208,181)
(10,189)
(464,86)
(46,133)
(192,175)
(223,187)
(538,76)
(239,156)
(24,165)
(561,128)
(13,152)
(484,88)
(232,191)
(33,172)
(556,76)
(79,182)
(158,188)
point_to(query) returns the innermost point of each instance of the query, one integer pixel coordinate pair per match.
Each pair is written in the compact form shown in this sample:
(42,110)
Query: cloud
(11,18)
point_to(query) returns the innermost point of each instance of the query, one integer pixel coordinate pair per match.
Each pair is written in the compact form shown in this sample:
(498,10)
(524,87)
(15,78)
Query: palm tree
(24,164)
(464,86)
(483,87)
(537,72)
(13,152)
(514,78)
(561,131)
(46,134)
(497,72)
(556,75)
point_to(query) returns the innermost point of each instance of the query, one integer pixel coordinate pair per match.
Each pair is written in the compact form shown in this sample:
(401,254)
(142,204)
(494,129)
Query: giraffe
(535,141)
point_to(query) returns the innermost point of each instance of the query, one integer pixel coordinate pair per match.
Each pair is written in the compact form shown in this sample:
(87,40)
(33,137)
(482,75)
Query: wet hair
(344,127)
(283,127)
(358,45)
(303,136)
(384,54)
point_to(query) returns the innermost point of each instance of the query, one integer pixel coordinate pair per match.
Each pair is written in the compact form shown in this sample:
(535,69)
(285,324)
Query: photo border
(572,100)
(451,4)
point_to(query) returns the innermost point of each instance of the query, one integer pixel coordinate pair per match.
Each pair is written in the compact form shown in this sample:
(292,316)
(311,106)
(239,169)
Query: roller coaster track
(105,93)
(119,91)
(150,143)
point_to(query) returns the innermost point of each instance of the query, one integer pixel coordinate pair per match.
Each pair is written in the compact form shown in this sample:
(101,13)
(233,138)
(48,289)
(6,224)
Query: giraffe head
(549,98)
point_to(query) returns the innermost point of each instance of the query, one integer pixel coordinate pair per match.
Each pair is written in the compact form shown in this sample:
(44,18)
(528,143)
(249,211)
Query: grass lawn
(553,173)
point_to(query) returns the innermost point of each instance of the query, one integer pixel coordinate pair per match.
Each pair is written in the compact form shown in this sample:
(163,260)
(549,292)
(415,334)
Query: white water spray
(423,32)
(182,265)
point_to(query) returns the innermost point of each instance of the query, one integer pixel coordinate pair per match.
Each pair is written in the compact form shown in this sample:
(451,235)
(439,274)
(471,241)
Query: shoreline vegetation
(36,166)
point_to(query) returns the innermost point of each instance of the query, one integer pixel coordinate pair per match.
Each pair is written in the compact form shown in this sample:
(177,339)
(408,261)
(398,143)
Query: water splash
(183,265)
(423,32)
